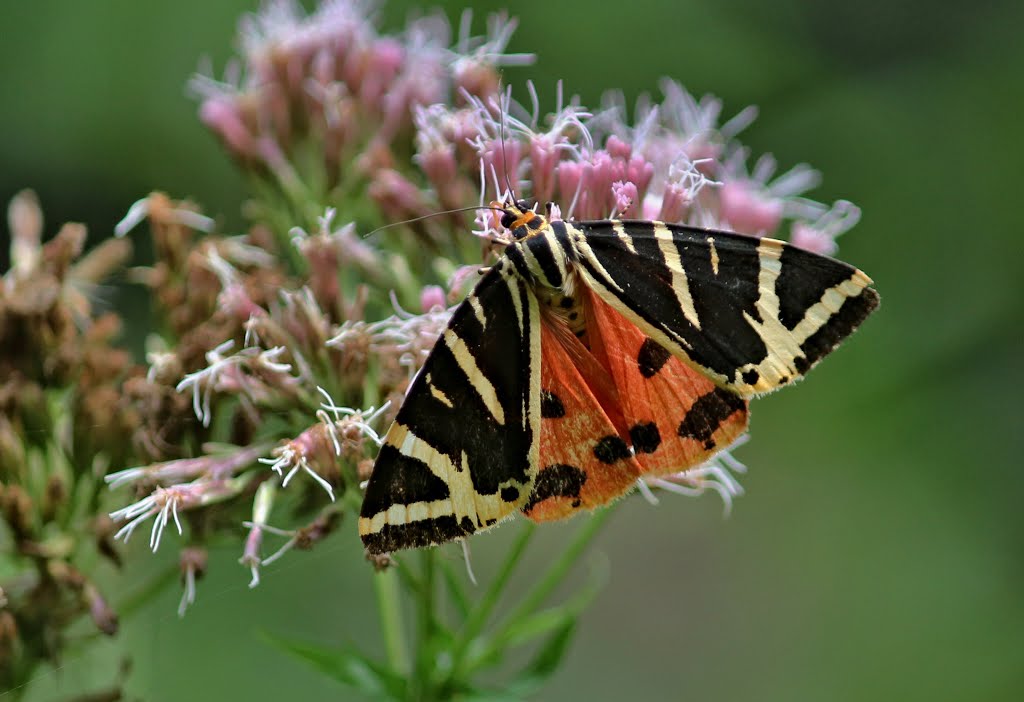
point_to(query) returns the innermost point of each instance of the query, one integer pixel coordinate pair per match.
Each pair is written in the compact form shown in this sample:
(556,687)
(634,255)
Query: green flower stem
(420,683)
(386,585)
(478,617)
(455,591)
(561,567)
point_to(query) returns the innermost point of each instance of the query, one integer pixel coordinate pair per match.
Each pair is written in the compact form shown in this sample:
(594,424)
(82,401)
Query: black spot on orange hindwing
(557,480)
(611,448)
(707,414)
(645,437)
(550,406)
(651,358)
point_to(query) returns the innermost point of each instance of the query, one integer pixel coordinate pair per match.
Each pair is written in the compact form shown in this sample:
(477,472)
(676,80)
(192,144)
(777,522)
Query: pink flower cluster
(675,163)
(334,76)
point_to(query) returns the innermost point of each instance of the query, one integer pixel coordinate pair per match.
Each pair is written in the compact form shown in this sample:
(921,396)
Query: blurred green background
(879,550)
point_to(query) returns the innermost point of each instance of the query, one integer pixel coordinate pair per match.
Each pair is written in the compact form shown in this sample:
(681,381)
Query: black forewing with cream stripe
(463,451)
(752,314)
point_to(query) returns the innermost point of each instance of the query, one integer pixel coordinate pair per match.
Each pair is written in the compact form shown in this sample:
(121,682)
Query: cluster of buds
(321,105)
(239,393)
(62,422)
(675,164)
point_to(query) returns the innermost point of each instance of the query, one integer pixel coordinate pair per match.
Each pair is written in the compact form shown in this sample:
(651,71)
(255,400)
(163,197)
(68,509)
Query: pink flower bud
(222,117)
(431,296)
(442,171)
(651,207)
(501,163)
(627,199)
(544,159)
(570,180)
(748,211)
(380,66)
(812,239)
(675,203)
(236,302)
(322,68)
(640,172)
(475,78)
(618,148)
(397,196)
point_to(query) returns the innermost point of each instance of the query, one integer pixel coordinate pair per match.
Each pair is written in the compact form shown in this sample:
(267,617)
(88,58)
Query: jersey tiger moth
(593,354)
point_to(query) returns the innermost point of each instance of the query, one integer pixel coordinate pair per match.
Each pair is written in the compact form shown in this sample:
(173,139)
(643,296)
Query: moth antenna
(428,216)
(502,106)
(497,183)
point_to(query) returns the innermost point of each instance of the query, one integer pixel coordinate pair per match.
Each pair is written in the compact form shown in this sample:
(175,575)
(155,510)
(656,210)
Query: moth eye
(507,219)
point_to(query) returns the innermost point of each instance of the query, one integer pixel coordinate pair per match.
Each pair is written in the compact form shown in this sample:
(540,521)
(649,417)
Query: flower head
(164,503)
(332,77)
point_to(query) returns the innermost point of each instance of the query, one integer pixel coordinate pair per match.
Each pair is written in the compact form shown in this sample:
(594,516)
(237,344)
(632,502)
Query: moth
(594,354)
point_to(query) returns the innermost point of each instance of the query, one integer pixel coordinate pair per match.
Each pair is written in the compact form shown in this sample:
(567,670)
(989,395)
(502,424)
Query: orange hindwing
(585,461)
(675,417)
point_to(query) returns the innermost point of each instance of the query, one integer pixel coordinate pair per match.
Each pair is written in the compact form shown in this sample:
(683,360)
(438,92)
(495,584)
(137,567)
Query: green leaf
(482,612)
(525,631)
(347,666)
(516,632)
(534,627)
(490,696)
(545,662)
(561,567)
(455,590)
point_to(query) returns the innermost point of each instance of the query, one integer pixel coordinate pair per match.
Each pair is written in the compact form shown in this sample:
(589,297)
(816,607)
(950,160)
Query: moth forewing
(752,314)
(463,450)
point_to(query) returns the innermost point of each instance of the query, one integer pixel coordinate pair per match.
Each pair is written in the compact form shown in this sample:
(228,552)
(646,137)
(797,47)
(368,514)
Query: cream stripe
(534,265)
(464,500)
(680,283)
(474,375)
(625,238)
(559,253)
(478,310)
(405,514)
(583,250)
(663,335)
(439,396)
(830,302)
(511,280)
(769,254)
(783,345)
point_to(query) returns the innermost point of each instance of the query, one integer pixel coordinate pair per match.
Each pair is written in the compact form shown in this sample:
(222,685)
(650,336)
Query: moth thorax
(545,259)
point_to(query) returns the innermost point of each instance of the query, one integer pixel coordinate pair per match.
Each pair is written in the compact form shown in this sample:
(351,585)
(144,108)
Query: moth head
(520,217)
